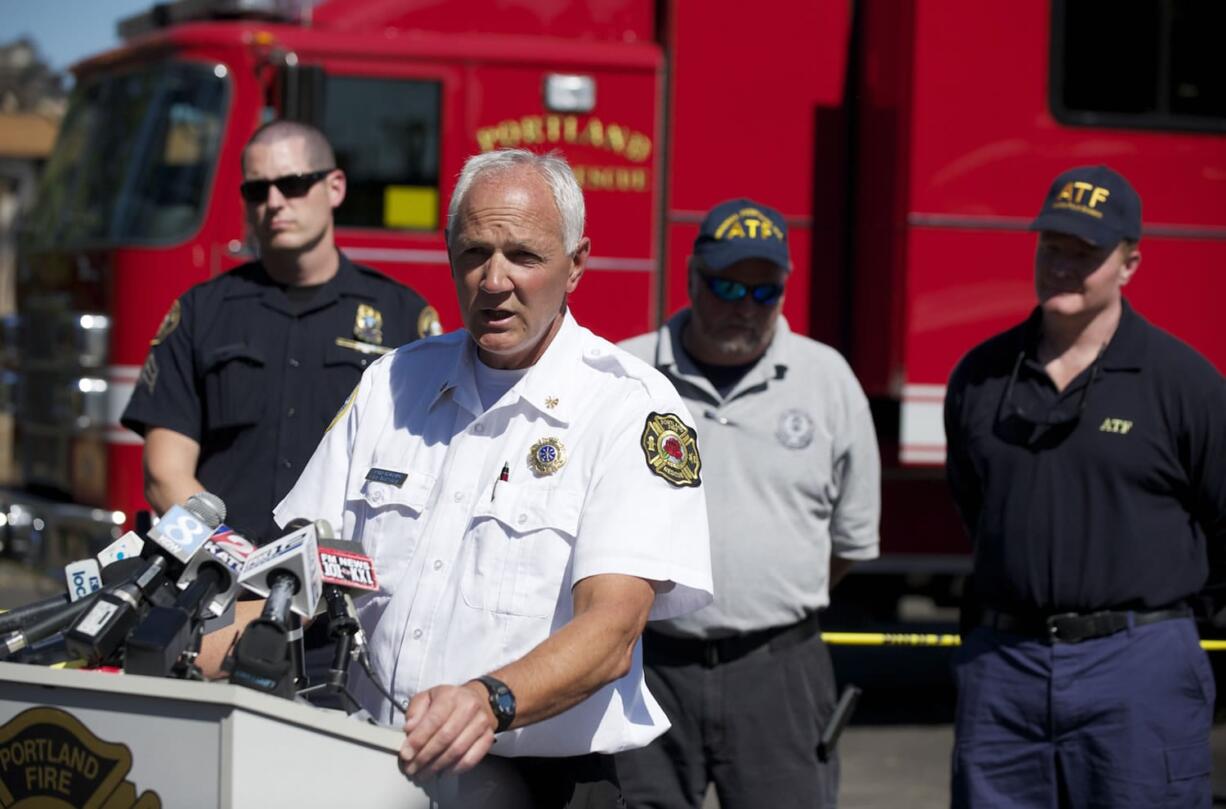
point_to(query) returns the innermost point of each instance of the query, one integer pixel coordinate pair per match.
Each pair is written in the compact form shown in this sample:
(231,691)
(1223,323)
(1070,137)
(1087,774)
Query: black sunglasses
(731,291)
(1010,409)
(291,186)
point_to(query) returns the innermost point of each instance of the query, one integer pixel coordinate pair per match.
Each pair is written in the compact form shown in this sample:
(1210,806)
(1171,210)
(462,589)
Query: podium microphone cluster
(97,635)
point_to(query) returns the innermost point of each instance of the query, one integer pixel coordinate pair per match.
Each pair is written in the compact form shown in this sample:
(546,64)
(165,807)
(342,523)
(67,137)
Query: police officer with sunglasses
(247,369)
(793,496)
(1087,455)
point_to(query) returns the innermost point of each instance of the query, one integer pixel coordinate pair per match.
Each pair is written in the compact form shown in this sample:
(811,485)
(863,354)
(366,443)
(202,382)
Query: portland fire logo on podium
(49,759)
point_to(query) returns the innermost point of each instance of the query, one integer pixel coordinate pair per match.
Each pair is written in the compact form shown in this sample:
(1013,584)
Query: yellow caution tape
(930,639)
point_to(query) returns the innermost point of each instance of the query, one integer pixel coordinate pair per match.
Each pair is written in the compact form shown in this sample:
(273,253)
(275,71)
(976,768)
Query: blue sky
(66,30)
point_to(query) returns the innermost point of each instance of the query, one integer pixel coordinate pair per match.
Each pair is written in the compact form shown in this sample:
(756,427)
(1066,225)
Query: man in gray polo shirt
(792,473)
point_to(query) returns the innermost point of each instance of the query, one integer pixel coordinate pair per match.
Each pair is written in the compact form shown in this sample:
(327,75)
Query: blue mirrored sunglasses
(732,291)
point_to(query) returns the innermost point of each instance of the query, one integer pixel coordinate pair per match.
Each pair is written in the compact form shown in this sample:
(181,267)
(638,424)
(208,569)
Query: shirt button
(459,497)
(521,519)
(285,463)
(416,633)
(438,564)
(290,412)
(376,496)
(478,428)
(293,363)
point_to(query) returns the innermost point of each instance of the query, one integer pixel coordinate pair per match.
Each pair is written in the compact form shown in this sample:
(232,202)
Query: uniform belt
(1072,627)
(667,649)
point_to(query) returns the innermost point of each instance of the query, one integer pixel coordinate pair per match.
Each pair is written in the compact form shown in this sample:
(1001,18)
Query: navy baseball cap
(740,229)
(1092,203)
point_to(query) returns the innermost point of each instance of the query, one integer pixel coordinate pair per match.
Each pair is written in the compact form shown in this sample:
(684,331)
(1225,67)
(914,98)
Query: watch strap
(497,690)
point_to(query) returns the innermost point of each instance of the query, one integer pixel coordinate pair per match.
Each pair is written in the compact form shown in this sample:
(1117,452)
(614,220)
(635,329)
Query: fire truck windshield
(134,158)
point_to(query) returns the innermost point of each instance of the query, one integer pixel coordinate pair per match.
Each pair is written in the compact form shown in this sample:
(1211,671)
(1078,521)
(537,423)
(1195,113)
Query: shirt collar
(1125,351)
(545,388)
(348,282)
(672,357)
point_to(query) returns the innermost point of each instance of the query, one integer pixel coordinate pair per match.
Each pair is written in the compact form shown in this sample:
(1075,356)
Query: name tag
(387,476)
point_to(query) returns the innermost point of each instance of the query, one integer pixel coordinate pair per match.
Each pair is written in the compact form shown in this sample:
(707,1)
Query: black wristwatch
(502,701)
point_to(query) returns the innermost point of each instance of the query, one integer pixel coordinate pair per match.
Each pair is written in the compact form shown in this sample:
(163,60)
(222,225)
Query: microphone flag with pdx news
(80,584)
(286,572)
(97,635)
(345,570)
(166,641)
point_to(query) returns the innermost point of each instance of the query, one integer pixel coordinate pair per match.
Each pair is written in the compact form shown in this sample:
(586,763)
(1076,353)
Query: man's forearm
(166,492)
(169,460)
(593,649)
(216,645)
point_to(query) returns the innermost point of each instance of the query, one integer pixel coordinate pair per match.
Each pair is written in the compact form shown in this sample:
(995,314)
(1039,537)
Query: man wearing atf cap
(1087,455)
(793,498)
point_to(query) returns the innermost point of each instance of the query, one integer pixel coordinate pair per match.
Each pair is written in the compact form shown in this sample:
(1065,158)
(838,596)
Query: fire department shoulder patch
(671,448)
(340,414)
(169,323)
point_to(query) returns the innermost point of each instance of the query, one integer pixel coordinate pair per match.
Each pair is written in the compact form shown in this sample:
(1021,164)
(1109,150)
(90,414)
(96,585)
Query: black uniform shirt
(256,377)
(1096,497)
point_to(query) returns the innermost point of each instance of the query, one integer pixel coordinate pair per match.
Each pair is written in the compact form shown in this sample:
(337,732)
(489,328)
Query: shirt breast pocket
(519,550)
(388,520)
(234,386)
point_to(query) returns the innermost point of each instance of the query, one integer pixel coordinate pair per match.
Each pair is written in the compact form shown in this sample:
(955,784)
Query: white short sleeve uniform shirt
(479,523)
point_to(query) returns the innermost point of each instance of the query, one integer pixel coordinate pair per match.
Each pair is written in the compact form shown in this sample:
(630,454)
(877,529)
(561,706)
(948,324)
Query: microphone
(287,573)
(62,615)
(126,546)
(97,634)
(165,642)
(345,570)
(184,529)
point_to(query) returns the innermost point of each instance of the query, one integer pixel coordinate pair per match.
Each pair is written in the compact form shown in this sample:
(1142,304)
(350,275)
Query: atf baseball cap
(739,229)
(1092,203)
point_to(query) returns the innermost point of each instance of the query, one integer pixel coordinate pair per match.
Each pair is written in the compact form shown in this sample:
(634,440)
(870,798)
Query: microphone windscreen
(208,507)
(121,571)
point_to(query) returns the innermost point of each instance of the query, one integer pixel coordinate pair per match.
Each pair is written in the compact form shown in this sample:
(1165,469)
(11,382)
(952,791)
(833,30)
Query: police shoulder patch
(427,322)
(169,323)
(671,449)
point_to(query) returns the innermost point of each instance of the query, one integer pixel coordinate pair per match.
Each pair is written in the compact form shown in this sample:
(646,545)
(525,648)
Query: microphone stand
(344,629)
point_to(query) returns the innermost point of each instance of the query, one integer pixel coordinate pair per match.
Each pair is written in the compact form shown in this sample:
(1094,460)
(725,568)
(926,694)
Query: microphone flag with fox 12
(287,569)
(287,573)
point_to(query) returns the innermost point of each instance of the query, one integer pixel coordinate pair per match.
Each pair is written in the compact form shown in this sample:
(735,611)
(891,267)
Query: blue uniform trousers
(1118,721)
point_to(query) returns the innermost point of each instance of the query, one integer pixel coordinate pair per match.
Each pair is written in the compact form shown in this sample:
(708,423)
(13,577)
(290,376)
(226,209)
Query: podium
(113,741)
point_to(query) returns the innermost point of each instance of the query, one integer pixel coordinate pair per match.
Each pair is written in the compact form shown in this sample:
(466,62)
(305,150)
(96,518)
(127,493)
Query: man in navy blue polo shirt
(249,367)
(1087,455)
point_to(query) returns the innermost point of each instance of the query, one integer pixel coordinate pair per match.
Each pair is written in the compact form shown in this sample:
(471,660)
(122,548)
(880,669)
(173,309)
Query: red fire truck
(907,141)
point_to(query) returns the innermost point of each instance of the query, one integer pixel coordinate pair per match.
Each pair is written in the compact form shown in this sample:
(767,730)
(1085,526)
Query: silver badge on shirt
(795,430)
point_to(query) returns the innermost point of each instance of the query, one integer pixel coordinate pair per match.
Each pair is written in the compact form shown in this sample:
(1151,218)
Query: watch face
(505,703)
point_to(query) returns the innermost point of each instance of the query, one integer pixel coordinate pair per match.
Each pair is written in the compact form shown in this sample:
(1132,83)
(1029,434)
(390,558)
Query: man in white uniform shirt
(530,494)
